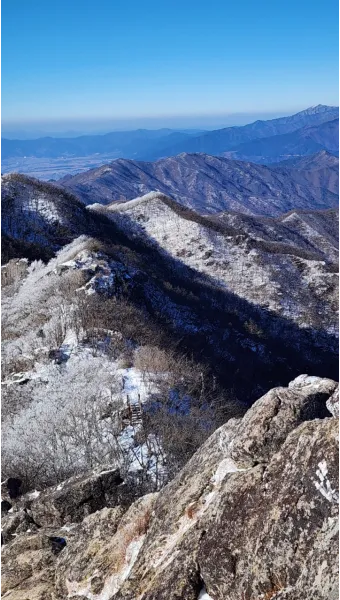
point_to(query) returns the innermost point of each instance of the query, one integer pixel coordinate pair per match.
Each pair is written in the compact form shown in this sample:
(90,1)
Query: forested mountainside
(320,160)
(210,184)
(313,230)
(38,218)
(319,170)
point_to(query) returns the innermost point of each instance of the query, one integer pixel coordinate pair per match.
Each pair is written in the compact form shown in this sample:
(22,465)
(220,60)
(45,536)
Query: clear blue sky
(67,59)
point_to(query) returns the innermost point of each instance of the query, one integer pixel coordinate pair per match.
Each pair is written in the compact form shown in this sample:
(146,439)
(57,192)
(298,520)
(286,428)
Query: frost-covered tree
(70,425)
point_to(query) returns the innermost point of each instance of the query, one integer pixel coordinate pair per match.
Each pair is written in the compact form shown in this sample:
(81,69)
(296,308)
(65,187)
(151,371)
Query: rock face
(266,425)
(78,497)
(252,515)
(333,403)
(103,552)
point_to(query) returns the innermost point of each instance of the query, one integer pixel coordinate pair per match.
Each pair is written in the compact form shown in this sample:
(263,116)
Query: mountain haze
(120,143)
(145,144)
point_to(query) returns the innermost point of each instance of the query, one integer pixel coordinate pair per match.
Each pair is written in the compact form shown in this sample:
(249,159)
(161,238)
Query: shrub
(253,328)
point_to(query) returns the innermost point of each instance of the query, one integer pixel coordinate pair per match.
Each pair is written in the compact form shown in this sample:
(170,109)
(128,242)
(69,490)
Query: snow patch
(121,207)
(324,485)
(227,465)
(203,595)
(113,582)
(303,380)
(34,495)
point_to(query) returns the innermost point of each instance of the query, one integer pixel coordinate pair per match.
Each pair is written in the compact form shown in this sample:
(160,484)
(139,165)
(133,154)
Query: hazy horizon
(153,65)
(90,126)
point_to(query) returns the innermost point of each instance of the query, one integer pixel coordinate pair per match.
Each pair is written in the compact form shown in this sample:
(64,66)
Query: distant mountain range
(119,143)
(304,141)
(319,160)
(304,133)
(210,184)
(320,170)
(231,138)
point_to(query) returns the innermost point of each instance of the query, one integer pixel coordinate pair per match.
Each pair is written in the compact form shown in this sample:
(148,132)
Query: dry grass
(192,510)
(268,594)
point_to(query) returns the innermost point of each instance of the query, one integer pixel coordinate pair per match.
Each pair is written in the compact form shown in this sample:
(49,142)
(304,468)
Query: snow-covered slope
(39,215)
(241,259)
(65,385)
(312,231)
(128,346)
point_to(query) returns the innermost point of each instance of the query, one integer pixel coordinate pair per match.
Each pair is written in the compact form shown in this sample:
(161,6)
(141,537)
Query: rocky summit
(253,515)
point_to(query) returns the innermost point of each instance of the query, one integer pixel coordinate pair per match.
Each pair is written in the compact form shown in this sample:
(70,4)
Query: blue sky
(95,59)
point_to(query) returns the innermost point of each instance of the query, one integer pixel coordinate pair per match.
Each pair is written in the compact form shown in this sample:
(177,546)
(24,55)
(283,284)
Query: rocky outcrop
(78,497)
(103,551)
(282,536)
(250,519)
(252,515)
(333,403)
(266,425)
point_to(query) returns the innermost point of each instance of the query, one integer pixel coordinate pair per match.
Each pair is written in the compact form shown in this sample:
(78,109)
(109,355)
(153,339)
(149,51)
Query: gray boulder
(268,422)
(77,497)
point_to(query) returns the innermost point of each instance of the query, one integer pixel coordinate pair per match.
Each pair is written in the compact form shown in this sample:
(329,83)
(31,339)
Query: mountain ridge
(221,140)
(208,184)
(235,250)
